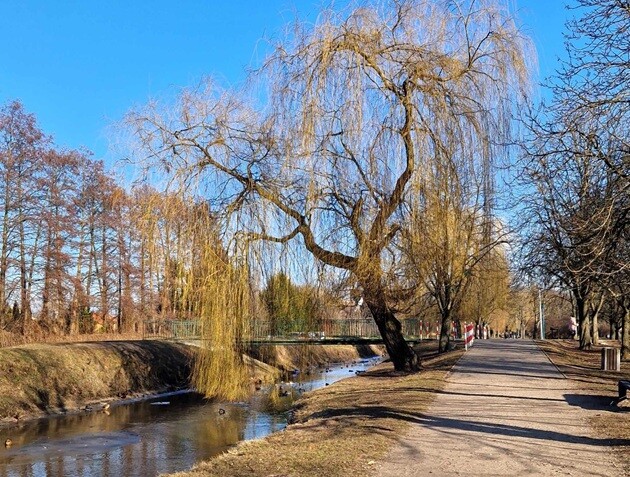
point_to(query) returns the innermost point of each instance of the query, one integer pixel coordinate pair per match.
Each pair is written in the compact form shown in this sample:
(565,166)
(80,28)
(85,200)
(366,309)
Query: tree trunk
(584,328)
(625,335)
(445,332)
(24,298)
(401,354)
(595,328)
(4,247)
(44,315)
(595,306)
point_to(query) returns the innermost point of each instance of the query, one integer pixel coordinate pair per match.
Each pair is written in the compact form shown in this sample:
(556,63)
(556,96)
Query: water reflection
(143,439)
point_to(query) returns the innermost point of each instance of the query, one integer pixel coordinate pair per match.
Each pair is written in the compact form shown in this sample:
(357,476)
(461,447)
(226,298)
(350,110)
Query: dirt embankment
(41,379)
(583,367)
(288,358)
(50,378)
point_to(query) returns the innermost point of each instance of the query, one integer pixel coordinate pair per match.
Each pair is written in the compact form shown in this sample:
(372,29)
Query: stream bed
(167,433)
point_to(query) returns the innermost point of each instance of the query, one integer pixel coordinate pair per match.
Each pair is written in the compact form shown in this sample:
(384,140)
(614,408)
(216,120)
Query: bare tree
(595,81)
(21,147)
(579,164)
(448,250)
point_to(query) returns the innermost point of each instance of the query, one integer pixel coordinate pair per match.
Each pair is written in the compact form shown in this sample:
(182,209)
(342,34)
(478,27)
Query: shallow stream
(146,438)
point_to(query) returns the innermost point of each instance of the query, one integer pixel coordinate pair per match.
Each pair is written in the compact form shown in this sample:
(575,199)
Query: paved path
(506,410)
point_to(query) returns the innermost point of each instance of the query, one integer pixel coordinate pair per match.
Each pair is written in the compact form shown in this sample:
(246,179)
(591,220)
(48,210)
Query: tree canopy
(346,118)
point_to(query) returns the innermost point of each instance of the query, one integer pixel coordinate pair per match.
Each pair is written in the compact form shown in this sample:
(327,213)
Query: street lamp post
(541,315)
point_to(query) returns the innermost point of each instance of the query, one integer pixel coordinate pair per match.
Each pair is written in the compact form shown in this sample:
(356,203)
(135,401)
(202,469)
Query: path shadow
(480,394)
(445,423)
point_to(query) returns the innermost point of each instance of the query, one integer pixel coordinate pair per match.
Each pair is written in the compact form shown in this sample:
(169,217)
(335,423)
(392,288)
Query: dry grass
(290,357)
(41,379)
(583,367)
(340,430)
(13,339)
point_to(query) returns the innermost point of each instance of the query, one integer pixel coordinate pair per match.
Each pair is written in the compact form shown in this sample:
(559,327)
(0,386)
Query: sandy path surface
(506,410)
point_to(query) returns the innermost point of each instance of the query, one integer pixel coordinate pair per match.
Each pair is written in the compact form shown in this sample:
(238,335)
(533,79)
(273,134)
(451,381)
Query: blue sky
(79,65)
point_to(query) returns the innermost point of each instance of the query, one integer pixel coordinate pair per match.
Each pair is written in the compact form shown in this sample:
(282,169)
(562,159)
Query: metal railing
(171,329)
(261,330)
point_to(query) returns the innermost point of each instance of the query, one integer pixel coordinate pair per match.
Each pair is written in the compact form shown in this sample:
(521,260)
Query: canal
(164,434)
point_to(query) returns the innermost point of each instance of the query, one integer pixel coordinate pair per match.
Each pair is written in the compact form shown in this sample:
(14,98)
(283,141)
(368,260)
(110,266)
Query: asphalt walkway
(506,410)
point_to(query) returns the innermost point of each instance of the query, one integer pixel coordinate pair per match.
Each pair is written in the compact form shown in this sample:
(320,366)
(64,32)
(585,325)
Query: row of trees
(77,251)
(80,253)
(577,166)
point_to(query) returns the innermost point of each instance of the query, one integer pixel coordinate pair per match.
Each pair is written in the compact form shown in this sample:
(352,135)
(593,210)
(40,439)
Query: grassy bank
(41,379)
(583,368)
(342,429)
(288,358)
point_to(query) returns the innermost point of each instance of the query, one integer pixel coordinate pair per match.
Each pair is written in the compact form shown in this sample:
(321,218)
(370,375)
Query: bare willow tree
(486,300)
(450,247)
(343,118)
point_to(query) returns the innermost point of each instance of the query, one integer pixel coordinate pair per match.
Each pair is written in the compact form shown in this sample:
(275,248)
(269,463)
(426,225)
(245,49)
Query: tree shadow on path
(489,428)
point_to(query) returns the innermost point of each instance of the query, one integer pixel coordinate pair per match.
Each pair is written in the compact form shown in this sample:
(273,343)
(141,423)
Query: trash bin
(611,359)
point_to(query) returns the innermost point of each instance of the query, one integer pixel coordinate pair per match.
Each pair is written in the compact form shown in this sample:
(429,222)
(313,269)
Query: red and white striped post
(469,335)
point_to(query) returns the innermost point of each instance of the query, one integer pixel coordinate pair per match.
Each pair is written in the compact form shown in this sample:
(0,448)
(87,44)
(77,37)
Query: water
(144,439)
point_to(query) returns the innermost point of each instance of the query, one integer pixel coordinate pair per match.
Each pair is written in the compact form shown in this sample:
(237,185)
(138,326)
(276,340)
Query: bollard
(611,359)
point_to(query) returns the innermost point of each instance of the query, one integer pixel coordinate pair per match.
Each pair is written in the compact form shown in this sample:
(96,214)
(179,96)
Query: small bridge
(360,331)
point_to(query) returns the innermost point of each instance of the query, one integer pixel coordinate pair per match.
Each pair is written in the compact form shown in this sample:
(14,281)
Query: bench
(624,387)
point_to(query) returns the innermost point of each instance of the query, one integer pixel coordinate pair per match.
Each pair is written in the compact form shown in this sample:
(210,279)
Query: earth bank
(43,379)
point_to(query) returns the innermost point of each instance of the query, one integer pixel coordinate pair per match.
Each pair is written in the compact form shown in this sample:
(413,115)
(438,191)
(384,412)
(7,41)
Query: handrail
(261,330)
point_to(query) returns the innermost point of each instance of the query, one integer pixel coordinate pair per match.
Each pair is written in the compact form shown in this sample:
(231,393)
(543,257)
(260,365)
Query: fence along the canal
(264,330)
